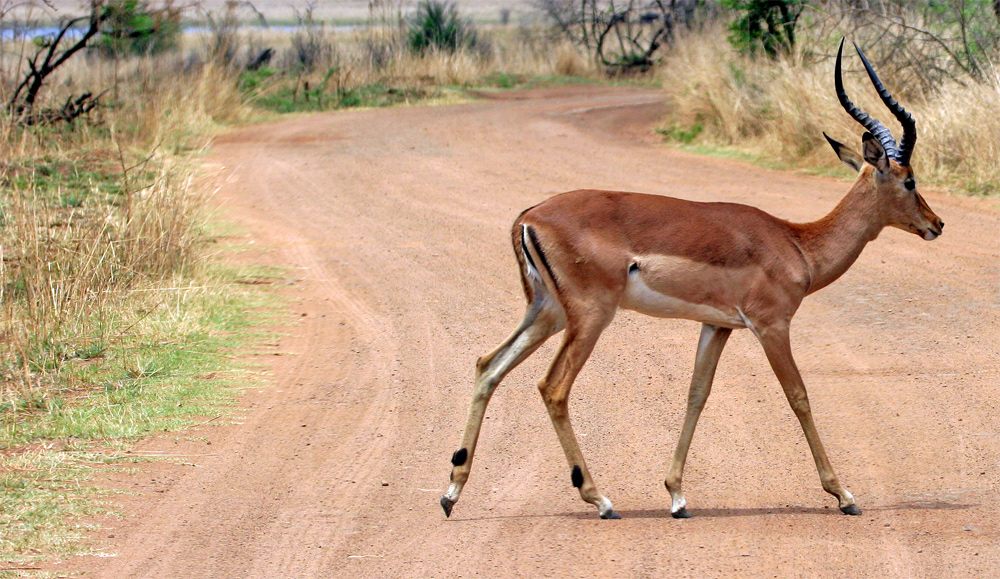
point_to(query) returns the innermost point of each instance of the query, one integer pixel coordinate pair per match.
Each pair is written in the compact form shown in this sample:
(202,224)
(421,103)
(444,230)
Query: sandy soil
(394,226)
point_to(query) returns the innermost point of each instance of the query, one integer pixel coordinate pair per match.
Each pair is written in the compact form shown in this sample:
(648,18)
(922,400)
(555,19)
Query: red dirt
(394,224)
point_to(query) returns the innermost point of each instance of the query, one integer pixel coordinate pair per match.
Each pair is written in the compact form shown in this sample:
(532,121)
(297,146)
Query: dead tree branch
(49,57)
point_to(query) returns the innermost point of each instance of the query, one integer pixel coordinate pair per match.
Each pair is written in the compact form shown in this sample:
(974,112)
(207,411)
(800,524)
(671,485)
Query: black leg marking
(577,477)
(460,456)
(850,510)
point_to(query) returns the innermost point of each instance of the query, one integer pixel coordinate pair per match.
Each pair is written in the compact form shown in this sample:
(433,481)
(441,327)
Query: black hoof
(850,510)
(611,515)
(447,504)
(681,514)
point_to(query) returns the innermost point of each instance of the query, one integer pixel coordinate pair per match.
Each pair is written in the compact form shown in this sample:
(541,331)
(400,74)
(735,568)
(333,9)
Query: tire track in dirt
(397,222)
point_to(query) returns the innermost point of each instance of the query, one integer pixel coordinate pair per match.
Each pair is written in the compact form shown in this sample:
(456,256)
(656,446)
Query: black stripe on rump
(541,255)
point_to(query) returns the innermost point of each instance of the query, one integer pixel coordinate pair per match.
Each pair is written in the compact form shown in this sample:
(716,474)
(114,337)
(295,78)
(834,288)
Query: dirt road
(394,224)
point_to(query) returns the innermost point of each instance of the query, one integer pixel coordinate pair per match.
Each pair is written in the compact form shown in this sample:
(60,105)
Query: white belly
(641,298)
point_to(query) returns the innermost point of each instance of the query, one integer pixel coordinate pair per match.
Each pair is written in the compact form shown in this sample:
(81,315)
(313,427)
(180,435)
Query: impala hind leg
(778,349)
(543,318)
(555,387)
(713,340)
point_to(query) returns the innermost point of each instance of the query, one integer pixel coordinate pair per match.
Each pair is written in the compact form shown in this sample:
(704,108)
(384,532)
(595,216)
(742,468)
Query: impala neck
(832,244)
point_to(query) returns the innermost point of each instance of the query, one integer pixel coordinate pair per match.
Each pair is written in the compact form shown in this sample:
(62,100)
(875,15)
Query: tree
(764,25)
(50,55)
(135,27)
(624,35)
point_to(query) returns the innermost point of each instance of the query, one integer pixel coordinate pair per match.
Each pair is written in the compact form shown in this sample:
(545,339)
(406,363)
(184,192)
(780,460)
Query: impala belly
(648,291)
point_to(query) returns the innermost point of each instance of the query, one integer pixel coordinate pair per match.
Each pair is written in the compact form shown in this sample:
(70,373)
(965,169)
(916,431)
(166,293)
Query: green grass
(155,380)
(68,180)
(102,353)
(271,90)
(276,92)
(182,369)
(685,136)
(45,503)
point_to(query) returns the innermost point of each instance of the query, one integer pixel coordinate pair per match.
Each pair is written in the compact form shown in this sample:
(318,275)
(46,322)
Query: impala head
(885,163)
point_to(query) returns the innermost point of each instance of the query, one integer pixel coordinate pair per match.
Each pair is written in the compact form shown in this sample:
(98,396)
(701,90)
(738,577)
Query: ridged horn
(909,125)
(877,129)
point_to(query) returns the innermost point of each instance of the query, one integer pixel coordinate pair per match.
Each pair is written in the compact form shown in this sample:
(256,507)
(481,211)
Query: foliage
(935,39)
(438,26)
(135,27)
(675,133)
(621,36)
(764,25)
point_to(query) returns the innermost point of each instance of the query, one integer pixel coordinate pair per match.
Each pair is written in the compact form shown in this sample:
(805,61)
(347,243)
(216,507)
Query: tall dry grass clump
(166,105)
(501,53)
(779,108)
(79,270)
(98,217)
(960,136)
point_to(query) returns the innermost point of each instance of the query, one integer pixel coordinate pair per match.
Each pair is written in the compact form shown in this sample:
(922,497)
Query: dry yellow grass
(366,57)
(96,218)
(779,109)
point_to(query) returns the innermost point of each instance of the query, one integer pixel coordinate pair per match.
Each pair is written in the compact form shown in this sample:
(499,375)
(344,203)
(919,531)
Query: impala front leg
(713,340)
(779,353)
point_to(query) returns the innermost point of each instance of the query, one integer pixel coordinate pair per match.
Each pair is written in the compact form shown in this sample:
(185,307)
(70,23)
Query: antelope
(585,254)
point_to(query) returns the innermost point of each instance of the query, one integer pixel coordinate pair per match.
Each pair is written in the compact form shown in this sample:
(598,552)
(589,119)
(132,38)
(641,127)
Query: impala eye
(910,184)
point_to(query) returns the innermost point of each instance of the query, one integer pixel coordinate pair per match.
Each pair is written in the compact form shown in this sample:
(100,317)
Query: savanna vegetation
(113,310)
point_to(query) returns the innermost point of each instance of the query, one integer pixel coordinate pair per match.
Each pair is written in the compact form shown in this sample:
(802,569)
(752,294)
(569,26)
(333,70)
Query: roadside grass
(778,110)
(837,171)
(117,319)
(185,366)
(273,92)
(44,499)
(178,365)
(316,69)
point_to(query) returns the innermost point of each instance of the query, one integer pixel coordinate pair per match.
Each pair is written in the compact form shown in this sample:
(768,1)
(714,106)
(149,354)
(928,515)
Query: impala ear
(874,153)
(846,154)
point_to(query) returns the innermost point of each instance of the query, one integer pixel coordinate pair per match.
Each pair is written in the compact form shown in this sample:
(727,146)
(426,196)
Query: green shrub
(437,26)
(135,27)
(767,25)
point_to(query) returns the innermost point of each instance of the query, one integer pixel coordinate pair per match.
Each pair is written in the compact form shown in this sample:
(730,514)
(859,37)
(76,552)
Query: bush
(134,27)
(437,26)
(767,25)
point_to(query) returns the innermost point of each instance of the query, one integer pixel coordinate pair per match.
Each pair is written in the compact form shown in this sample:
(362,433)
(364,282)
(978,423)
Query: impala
(585,254)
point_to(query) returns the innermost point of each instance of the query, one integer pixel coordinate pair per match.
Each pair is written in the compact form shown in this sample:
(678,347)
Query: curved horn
(909,125)
(874,127)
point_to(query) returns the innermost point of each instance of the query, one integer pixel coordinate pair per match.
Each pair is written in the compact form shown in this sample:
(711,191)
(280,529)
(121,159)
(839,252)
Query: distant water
(13,33)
